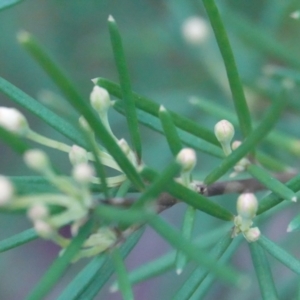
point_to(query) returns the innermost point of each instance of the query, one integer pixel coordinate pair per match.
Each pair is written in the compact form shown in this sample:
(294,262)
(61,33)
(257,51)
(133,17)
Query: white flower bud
(38,212)
(187,159)
(12,120)
(100,99)
(224,132)
(252,234)
(43,229)
(235,145)
(83,173)
(6,190)
(78,155)
(37,160)
(295,14)
(195,30)
(84,124)
(247,205)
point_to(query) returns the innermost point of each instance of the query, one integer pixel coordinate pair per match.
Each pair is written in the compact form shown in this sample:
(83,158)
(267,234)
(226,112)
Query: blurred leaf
(263,272)
(58,267)
(14,141)
(18,240)
(122,275)
(280,254)
(294,224)
(8,3)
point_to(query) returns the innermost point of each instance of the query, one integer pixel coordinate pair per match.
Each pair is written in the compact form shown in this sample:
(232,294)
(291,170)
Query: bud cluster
(246,207)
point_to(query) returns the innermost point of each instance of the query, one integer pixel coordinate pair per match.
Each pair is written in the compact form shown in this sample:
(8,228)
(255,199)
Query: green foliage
(117,188)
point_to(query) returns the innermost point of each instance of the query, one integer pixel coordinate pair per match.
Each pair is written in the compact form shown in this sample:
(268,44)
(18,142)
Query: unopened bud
(78,155)
(252,234)
(224,132)
(100,99)
(83,173)
(37,160)
(6,190)
(38,212)
(84,124)
(43,229)
(235,145)
(195,30)
(247,206)
(187,159)
(12,120)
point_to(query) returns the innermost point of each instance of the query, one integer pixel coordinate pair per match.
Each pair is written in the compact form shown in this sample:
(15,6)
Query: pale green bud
(78,155)
(37,160)
(187,159)
(43,229)
(224,132)
(6,191)
(195,30)
(12,120)
(247,205)
(100,100)
(38,212)
(252,234)
(83,173)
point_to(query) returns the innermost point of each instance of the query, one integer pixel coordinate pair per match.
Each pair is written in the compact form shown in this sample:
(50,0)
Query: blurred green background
(163,66)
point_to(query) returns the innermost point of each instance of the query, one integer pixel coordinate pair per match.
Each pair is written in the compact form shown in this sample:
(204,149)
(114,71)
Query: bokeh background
(165,66)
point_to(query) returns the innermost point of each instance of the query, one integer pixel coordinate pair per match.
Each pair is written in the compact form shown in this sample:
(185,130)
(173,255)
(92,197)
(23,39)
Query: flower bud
(37,160)
(38,212)
(247,206)
(235,145)
(100,99)
(195,30)
(187,159)
(78,155)
(252,234)
(84,124)
(6,190)
(12,120)
(43,229)
(83,173)
(224,132)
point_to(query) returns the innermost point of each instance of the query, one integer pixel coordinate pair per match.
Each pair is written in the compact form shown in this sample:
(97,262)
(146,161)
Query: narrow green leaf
(261,39)
(190,197)
(199,274)
(263,272)
(272,200)
(89,282)
(18,240)
(271,183)
(294,224)
(48,64)
(166,262)
(235,83)
(128,217)
(50,118)
(14,141)
(187,230)
(250,142)
(58,267)
(170,131)
(186,138)
(158,185)
(122,275)
(152,108)
(119,55)
(280,254)
(8,3)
